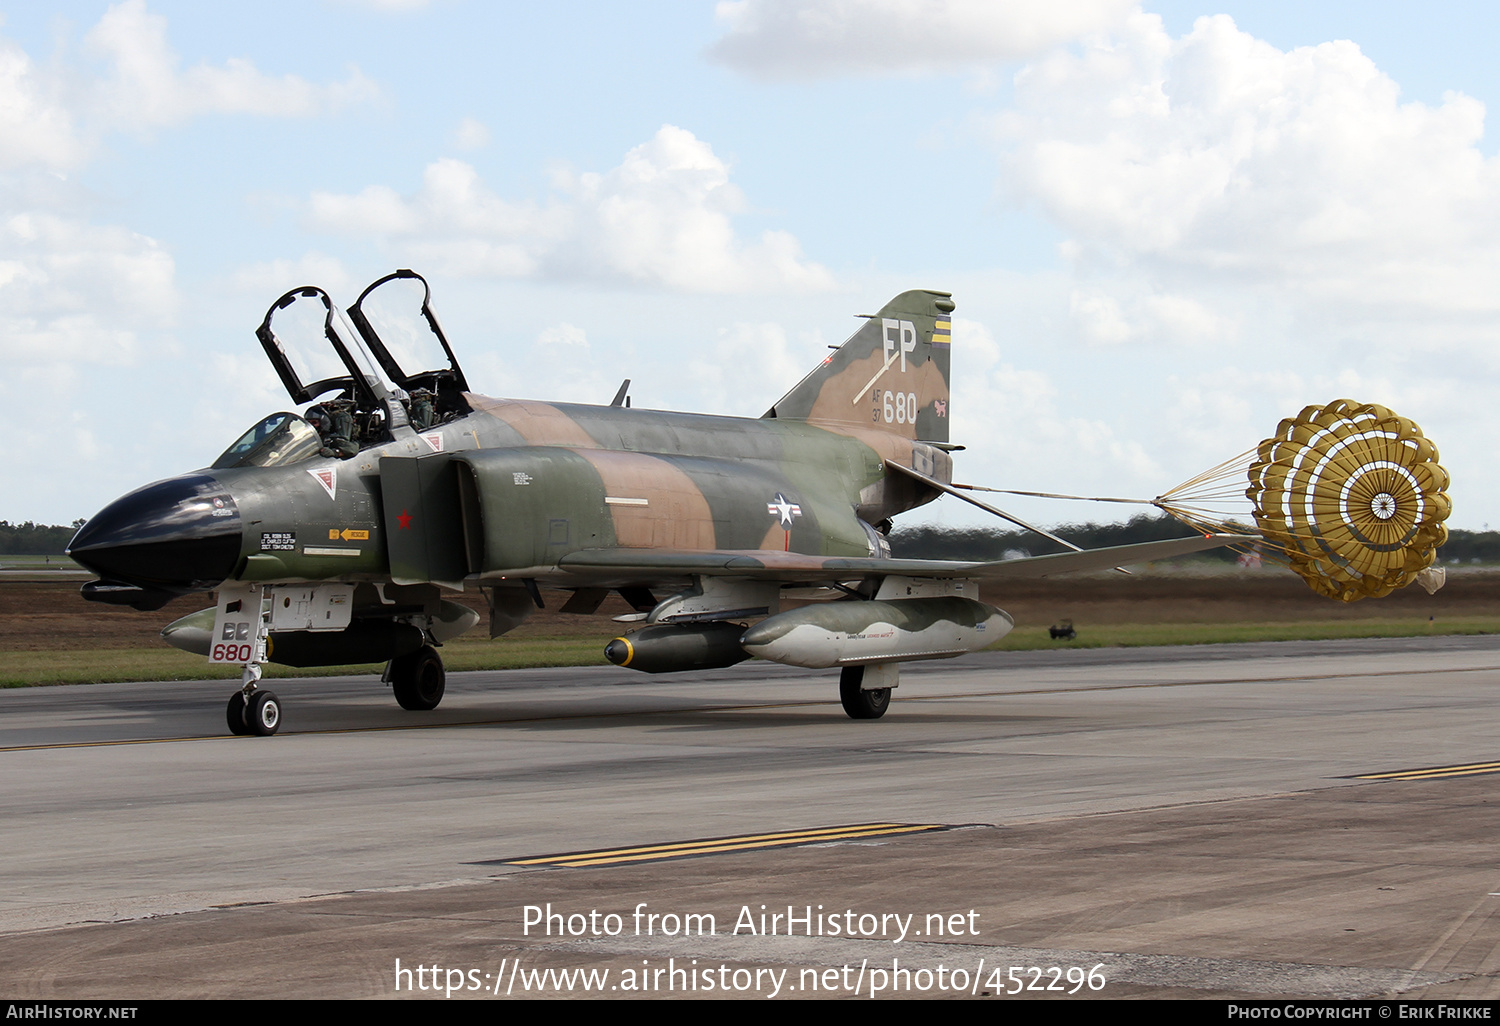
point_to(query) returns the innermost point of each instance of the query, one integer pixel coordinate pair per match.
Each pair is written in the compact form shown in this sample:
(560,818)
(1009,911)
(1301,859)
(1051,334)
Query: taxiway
(1205,821)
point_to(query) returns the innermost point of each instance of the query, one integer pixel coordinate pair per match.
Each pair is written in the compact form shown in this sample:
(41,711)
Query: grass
(39,563)
(94,666)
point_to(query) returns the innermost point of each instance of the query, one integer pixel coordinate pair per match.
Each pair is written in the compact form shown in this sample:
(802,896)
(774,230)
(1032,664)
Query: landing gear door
(395,318)
(237,622)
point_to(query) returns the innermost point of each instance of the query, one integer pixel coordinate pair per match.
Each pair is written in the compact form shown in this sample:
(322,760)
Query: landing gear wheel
(418,679)
(263,713)
(235,714)
(859,703)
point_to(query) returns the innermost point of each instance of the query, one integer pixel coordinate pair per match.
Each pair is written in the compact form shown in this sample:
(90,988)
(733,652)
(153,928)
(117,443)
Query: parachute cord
(1052,495)
(1199,502)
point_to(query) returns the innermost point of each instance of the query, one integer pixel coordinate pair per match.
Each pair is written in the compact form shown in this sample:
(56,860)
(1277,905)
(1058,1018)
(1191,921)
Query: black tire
(859,703)
(263,713)
(418,679)
(235,714)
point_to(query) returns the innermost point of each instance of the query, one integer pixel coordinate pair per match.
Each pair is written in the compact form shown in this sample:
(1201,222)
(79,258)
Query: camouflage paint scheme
(717,513)
(571,495)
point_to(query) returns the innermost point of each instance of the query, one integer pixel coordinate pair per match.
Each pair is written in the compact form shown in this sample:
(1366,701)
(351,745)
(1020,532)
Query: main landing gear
(861,703)
(417,679)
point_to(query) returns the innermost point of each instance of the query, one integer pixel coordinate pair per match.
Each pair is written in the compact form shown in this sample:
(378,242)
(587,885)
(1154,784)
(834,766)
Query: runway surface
(1182,822)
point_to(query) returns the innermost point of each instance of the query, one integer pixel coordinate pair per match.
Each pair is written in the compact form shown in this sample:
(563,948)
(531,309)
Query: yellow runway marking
(1473,769)
(719,845)
(120,741)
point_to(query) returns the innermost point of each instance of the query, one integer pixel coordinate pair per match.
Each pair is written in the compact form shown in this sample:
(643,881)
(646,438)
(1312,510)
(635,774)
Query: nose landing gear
(252,710)
(258,714)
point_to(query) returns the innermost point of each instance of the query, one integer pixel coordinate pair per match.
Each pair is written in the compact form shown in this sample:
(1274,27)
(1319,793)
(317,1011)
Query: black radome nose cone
(178,535)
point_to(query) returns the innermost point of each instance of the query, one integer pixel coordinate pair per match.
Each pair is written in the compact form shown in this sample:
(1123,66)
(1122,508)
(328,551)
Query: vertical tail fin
(891,375)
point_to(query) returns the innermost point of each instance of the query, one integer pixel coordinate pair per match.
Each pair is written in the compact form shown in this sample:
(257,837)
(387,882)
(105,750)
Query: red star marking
(405,519)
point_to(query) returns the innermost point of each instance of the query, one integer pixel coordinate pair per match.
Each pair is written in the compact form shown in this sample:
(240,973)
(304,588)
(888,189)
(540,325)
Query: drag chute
(1353,497)
(1350,496)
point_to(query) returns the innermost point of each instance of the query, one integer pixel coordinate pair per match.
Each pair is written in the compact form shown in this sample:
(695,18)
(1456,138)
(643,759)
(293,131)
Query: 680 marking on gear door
(235,623)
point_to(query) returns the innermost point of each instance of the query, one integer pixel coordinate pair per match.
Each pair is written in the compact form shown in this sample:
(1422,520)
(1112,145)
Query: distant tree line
(988,543)
(30,539)
(1468,546)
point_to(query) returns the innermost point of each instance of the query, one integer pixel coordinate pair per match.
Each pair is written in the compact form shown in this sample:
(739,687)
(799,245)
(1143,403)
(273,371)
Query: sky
(1165,227)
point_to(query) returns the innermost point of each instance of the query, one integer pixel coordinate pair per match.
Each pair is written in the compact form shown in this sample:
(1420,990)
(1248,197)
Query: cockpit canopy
(384,367)
(395,317)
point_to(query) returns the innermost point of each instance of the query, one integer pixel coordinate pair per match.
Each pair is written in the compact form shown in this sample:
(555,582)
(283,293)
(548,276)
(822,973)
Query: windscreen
(280,439)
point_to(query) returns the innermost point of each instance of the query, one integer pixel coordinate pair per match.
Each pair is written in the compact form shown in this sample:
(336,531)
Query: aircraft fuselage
(509,490)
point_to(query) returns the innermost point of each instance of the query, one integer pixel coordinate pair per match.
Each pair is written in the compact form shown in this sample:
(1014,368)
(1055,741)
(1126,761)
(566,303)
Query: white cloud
(78,299)
(54,117)
(994,399)
(663,217)
(69,289)
(471,135)
(78,302)
(275,277)
(1206,174)
(801,39)
(453,222)
(72,291)
(35,126)
(559,366)
(1145,315)
(719,372)
(564,334)
(146,87)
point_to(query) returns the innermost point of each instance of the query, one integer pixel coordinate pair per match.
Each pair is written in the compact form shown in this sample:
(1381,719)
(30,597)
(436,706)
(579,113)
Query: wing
(614,567)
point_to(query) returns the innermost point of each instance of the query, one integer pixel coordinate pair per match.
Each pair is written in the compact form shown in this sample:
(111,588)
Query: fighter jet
(338,535)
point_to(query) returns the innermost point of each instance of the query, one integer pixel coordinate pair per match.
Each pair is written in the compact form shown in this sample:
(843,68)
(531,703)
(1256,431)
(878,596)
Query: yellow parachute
(1353,496)
(1349,496)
